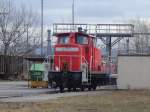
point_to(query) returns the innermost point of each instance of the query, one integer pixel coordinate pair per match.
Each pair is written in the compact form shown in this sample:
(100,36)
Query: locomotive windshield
(81,39)
(64,39)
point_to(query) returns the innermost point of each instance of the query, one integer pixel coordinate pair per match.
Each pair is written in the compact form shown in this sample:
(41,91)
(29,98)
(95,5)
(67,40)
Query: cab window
(63,39)
(81,39)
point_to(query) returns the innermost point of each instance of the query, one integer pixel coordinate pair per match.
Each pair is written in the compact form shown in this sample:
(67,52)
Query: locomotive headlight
(68,49)
(57,68)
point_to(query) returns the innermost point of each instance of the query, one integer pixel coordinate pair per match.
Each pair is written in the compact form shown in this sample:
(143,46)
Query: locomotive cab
(74,49)
(76,57)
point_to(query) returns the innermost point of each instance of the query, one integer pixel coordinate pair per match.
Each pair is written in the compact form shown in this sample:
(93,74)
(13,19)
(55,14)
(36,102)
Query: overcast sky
(90,11)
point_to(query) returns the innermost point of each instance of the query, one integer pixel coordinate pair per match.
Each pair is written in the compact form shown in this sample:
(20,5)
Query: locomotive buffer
(77,61)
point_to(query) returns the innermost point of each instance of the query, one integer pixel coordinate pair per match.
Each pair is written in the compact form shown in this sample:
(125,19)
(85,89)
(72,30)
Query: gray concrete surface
(19,89)
(46,97)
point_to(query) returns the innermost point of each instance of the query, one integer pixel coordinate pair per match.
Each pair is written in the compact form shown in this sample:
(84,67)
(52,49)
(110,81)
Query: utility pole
(73,12)
(73,28)
(41,27)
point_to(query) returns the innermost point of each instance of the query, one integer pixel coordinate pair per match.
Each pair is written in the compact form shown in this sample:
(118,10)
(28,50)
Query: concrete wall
(133,72)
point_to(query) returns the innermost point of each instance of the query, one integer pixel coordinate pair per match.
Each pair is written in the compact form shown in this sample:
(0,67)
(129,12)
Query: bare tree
(139,43)
(17,27)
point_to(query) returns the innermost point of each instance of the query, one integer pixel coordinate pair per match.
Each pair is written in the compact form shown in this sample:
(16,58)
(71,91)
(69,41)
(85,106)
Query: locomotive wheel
(82,88)
(89,88)
(74,89)
(61,89)
(69,89)
(94,87)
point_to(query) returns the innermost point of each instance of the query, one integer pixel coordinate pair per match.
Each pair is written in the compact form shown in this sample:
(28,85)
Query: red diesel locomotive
(77,63)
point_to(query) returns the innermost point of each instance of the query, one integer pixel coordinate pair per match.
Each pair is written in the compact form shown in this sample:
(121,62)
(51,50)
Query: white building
(133,72)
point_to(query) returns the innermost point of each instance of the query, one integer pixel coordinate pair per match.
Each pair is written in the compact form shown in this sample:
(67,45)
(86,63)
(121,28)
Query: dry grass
(116,101)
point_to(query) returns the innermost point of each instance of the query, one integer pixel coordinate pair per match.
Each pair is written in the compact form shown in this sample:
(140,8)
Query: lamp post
(73,26)
(41,27)
(73,12)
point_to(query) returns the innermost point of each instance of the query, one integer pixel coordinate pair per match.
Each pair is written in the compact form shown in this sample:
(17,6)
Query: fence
(11,66)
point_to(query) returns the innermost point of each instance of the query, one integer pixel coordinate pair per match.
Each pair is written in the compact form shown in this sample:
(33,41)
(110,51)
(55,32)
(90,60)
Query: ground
(17,97)
(111,101)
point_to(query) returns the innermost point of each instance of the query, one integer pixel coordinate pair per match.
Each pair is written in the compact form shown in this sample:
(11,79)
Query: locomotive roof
(82,33)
